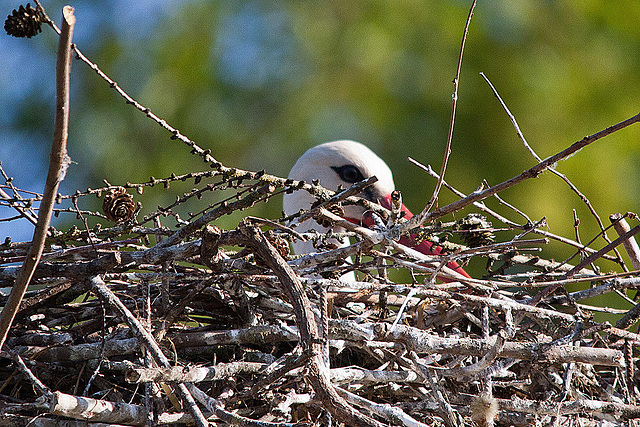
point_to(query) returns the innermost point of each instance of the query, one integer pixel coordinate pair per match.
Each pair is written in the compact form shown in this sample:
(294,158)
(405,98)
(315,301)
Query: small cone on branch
(476,230)
(281,245)
(335,209)
(118,205)
(24,22)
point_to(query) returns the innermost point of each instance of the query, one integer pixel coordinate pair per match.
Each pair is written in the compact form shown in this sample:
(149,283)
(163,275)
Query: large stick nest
(138,323)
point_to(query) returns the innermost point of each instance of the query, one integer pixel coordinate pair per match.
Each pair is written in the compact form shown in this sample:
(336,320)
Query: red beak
(423,246)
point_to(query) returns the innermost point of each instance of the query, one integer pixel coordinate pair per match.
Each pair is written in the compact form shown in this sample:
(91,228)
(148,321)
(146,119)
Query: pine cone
(475,234)
(335,209)
(118,205)
(281,245)
(24,22)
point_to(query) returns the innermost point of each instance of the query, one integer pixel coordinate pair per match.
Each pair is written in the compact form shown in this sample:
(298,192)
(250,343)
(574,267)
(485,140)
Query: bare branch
(59,161)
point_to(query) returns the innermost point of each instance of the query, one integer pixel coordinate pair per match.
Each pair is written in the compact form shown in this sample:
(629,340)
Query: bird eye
(349,173)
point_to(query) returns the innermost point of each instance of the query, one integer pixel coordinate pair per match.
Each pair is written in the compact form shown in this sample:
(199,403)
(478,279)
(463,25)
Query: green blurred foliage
(260,82)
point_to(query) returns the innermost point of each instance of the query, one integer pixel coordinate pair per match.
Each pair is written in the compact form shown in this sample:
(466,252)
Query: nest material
(255,338)
(146,324)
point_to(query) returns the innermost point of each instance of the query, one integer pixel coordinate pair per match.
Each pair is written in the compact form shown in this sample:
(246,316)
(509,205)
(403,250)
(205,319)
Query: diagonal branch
(533,172)
(148,341)
(318,372)
(552,288)
(562,176)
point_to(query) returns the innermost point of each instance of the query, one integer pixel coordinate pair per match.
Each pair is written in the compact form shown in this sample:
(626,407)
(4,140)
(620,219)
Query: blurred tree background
(260,82)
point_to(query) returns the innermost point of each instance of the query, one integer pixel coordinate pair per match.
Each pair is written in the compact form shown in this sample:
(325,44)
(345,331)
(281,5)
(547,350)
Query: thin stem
(562,176)
(533,172)
(447,151)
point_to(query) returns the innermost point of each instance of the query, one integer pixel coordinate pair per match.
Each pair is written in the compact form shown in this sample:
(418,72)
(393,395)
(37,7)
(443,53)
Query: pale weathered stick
(58,163)
(427,343)
(630,245)
(79,352)
(497,345)
(229,370)
(601,409)
(318,374)
(193,374)
(43,389)
(86,408)
(619,411)
(391,413)
(149,342)
(342,329)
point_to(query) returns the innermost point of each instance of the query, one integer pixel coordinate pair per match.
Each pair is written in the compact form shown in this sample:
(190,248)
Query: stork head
(340,163)
(343,163)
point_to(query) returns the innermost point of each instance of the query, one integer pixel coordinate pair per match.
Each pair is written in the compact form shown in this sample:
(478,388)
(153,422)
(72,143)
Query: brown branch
(480,205)
(533,172)
(629,318)
(550,289)
(630,245)
(308,329)
(24,212)
(562,176)
(454,103)
(58,163)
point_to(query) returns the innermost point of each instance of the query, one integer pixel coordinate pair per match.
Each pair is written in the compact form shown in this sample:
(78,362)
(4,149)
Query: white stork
(343,163)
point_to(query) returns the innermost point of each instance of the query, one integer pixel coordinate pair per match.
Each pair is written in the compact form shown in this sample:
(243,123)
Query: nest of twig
(137,323)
